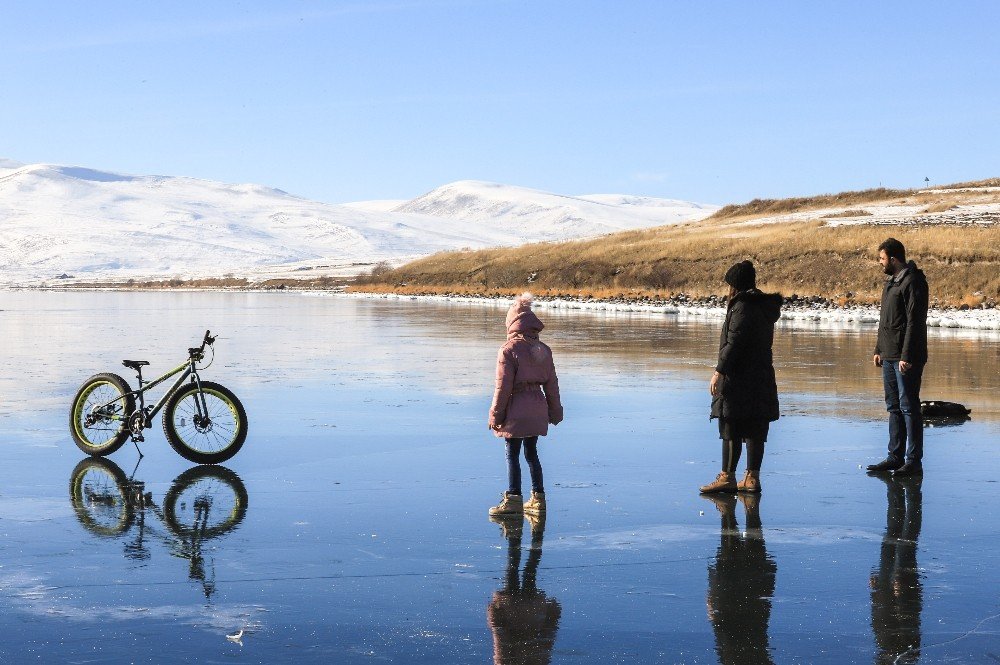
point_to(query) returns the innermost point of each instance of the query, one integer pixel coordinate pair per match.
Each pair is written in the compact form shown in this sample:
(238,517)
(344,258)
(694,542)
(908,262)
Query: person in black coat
(901,352)
(741,583)
(743,388)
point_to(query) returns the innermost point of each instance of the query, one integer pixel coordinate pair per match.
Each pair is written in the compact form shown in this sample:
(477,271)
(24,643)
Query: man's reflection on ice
(523,619)
(897,595)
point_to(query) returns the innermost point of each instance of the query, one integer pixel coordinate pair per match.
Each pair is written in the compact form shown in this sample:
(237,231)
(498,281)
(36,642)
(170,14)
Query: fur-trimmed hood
(769,303)
(521,320)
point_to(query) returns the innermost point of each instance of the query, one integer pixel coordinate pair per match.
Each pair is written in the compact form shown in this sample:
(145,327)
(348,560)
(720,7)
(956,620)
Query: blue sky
(340,101)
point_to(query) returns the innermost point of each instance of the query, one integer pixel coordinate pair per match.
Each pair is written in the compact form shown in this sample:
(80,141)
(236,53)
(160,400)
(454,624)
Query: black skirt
(740,429)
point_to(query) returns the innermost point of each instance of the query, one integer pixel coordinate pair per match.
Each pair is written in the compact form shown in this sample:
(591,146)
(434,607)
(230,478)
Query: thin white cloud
(158,32)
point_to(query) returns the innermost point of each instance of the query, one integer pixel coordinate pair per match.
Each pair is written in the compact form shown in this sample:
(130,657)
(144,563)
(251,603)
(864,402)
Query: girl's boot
(750,482)
(724,482)
(536,504)
(511,505)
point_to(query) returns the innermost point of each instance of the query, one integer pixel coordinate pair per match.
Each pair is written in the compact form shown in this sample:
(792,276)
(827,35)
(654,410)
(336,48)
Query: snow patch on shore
(973,320)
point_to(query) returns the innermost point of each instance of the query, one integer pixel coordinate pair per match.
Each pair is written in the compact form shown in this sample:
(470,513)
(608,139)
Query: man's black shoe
(888,464)
(909,469)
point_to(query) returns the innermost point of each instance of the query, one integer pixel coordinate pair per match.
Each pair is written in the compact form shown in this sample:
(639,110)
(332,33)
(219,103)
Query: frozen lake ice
(352,526)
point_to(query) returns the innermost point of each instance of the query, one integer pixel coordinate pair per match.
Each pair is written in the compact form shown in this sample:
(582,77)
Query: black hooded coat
(749,390)
(902,326)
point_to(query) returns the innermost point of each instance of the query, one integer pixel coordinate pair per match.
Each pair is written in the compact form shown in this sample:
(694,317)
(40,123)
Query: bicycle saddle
(135,364)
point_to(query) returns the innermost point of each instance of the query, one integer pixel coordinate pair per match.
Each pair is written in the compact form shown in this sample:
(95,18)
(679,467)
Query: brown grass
(758,207)
(804,258)
(848,213)
(972,184)
(941,206)
(974,300)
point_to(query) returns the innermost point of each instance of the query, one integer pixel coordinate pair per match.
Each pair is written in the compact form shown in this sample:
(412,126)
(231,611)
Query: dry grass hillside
(823,245)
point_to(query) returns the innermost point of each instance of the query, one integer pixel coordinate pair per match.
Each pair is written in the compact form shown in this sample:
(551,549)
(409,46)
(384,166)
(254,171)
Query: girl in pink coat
(525,402)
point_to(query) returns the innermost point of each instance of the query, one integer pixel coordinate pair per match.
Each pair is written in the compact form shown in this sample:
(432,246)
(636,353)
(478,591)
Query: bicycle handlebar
(208,340)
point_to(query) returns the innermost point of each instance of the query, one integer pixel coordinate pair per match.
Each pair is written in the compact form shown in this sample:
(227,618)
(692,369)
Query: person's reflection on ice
(897,596)
(523,619)
(740,585)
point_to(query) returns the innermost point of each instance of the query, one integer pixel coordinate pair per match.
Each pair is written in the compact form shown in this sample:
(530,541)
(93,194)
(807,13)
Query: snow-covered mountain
(90,224)
(549,216)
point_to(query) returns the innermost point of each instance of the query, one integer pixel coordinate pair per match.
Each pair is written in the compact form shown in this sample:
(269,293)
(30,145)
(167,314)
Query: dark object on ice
(938,413)
(939,409)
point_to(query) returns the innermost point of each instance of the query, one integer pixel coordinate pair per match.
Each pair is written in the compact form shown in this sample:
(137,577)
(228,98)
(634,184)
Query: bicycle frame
(185,369)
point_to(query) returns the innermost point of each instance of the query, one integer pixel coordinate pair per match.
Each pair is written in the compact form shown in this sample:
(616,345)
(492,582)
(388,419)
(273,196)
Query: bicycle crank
(136,423)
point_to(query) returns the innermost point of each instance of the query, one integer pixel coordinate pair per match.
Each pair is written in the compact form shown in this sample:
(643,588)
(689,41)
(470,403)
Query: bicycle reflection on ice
(202,503)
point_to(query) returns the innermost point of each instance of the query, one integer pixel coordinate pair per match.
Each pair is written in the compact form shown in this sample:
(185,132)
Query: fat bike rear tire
(98,490)
(105,400)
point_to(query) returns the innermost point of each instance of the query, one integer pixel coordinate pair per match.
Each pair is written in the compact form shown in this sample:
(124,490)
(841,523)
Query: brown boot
(536,504)
(512,505)
(751,502)
(750,482)
(537,522)
(511,526)
(724,482)
(724,503)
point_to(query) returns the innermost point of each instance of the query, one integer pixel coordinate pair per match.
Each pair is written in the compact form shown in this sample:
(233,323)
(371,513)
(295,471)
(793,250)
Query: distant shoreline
(803,312)
(798,311)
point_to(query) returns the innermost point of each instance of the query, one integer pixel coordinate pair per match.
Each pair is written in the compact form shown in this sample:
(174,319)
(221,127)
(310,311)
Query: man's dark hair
(893,248)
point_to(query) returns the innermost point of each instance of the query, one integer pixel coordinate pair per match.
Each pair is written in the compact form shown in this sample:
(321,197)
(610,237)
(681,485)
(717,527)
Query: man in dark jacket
(901,352)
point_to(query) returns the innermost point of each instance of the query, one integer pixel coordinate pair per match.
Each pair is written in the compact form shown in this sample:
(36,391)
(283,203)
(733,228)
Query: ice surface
(369,469)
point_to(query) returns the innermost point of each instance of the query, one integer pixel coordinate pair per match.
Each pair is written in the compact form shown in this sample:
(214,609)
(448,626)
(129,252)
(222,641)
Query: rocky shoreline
(804,311)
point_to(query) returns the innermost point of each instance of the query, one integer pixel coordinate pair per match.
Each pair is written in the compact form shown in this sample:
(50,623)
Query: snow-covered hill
(90,224)
(550,216)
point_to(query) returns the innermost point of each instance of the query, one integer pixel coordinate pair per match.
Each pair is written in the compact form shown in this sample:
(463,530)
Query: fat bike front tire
(200,441)
(205,502)
(98,419)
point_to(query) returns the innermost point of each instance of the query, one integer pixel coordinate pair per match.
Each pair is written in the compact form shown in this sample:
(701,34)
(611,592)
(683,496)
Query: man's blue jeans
(902,401)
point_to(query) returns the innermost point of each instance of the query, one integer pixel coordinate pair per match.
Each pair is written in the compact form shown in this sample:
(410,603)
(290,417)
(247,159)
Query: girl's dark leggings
(731,451)
(514,464)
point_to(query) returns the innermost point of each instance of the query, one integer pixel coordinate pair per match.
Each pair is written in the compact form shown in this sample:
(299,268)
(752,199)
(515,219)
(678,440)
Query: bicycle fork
(201,418)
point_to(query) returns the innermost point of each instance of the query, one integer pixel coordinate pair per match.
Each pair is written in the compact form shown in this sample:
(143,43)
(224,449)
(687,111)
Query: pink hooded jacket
(526,399)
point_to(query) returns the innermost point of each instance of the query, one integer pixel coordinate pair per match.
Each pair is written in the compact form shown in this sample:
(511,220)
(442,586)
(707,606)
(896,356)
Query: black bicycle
(203,421)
